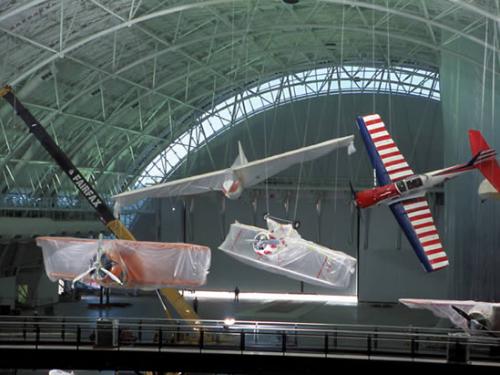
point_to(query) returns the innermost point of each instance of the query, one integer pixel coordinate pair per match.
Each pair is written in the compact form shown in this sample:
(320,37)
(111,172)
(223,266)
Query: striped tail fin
(484,158)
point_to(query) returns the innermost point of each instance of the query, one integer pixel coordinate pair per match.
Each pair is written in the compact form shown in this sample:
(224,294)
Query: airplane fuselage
(232,186)
(409,187)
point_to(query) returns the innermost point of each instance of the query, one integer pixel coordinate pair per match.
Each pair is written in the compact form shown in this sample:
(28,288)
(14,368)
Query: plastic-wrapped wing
(288,254)
(454,310)
(138,264)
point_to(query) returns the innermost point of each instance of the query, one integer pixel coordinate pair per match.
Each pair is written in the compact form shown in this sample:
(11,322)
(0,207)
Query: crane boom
(105,214)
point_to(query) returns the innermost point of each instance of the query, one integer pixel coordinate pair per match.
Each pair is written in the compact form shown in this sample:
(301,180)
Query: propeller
(462,313)
(472,322)
(82,275)
(353,193)
(100,264)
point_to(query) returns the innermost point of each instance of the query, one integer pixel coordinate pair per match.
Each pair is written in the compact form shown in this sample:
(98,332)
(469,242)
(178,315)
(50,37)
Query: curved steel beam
(20,9)
(128,23)
(185,7)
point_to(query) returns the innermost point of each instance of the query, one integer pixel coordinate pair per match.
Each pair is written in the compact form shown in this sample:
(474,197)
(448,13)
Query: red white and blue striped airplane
(404,191)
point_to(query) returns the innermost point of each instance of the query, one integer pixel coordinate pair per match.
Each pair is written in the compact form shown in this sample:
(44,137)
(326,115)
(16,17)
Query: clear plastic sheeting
(281,250)
(138,264)
(486,311)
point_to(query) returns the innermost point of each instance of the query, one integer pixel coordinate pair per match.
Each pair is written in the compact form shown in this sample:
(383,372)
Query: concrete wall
(388,268)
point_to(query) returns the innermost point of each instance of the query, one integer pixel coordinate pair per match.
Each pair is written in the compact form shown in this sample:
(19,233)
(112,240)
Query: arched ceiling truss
(117,81)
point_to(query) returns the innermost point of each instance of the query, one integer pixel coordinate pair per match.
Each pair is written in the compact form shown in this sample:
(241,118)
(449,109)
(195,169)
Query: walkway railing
(248,337)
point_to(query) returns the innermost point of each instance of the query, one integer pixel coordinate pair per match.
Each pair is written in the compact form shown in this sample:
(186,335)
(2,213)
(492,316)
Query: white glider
(240,175)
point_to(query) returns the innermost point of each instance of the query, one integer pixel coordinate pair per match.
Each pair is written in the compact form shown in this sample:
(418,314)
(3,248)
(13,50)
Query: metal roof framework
(117,82)
(298,86)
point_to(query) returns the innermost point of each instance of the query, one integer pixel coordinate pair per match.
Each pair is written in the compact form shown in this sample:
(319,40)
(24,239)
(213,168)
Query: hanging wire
(389,62)
(476,260)
(373,55)
(265,165)
(483,85)
(374,93)
(275,116)
(493,247)
(339,111)
(493,79)
(301,167)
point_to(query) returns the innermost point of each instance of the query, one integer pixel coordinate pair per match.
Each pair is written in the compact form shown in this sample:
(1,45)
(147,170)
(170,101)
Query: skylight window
(351,79)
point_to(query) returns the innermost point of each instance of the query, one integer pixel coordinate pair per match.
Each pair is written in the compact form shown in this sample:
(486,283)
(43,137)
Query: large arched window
(317,82)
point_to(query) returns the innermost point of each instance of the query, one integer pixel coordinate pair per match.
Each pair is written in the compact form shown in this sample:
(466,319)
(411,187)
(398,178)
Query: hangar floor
(147,305)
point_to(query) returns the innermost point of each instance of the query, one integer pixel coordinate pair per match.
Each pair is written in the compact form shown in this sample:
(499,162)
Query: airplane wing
(413,214)
(185,186)
(415,218)
(156,265)
(443,309)
(65,258)
(259,170)
(385,156)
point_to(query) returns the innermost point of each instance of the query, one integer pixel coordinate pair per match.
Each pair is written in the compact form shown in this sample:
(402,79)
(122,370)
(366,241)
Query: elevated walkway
(242,347)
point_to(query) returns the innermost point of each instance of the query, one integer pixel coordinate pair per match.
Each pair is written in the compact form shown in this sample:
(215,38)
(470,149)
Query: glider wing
(185,186)
(259,170)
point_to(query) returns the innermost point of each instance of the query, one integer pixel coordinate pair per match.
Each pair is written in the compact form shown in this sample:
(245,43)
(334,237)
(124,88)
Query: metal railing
(249,337)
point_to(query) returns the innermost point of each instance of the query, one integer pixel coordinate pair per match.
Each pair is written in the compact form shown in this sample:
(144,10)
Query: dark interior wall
(388,269)
(470,99)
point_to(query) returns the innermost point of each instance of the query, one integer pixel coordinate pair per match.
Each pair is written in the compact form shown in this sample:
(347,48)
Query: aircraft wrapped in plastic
(126,264)
(280,249)
(474,317)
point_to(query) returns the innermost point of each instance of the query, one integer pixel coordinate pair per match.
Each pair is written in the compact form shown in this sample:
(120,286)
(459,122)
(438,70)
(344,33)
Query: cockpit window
(414,183)
(401,186)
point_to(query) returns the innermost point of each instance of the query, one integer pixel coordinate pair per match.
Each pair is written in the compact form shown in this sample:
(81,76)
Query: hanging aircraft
(474,317)
(242,174)
(125,264)
(280,249)
(404,191)
(270,241)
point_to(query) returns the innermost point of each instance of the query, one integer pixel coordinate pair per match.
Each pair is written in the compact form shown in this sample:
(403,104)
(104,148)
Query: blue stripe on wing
(403,220)
(382,175)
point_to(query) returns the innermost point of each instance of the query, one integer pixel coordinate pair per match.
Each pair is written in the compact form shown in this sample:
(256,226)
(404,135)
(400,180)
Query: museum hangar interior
(140,93)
